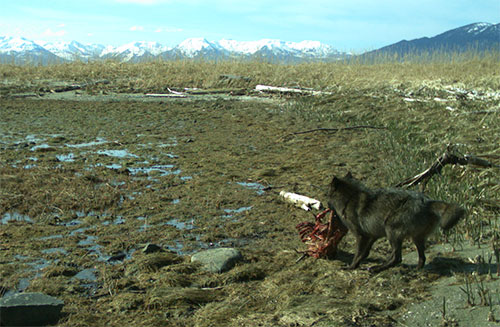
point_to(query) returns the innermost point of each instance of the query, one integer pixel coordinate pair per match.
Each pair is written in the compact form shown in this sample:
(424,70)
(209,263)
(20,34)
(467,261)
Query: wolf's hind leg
(363,247)
(420,244)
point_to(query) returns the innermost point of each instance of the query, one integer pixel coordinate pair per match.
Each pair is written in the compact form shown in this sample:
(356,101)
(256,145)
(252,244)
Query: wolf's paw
(376,269)
(349,267)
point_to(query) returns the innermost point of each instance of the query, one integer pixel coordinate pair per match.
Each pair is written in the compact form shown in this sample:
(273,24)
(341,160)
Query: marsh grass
(219,144)
(469,70)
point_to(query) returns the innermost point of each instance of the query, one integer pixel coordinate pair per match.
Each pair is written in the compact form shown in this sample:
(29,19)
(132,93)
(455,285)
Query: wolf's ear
(349,175)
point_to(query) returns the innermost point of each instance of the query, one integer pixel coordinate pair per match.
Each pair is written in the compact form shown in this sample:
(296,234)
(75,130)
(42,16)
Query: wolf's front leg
(363,246)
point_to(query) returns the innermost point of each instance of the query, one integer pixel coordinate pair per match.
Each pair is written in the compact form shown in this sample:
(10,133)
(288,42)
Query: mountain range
(19,50)
(476,37)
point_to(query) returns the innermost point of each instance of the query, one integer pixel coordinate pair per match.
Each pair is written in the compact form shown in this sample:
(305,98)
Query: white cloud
(50,33)
(136,28)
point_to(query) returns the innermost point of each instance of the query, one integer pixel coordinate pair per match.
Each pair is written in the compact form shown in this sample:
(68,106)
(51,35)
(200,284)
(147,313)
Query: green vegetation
(100,178)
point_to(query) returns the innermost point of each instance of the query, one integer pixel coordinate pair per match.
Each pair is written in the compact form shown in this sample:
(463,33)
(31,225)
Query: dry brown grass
(466,70)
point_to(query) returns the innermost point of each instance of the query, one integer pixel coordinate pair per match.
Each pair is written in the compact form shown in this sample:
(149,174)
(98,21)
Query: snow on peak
(193,45)
(70,50)
(251,47)
(141,47)
(477,28)
(189,48)
(17,44)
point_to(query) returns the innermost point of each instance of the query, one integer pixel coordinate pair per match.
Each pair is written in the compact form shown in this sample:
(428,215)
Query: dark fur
(393,213)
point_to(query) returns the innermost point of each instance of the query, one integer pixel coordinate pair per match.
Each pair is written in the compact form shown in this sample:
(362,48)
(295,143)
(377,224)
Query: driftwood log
(288,90)
(301,201)
(451,156)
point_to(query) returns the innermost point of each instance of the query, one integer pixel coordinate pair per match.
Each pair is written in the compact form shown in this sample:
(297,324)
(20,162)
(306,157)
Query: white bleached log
(276,89)
(157,95)
(301,201)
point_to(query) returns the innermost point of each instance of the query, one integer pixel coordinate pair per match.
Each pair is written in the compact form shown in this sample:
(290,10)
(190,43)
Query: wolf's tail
(450,213)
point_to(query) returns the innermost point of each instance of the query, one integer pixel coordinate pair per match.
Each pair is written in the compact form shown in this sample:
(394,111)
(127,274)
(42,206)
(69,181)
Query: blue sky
(350,25)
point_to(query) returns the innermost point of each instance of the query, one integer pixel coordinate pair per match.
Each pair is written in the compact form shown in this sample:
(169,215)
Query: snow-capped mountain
(134,51)
(478,28)
(267,48)
(299,49)
(18,50)
(73,50)
(190,48)
(193,46)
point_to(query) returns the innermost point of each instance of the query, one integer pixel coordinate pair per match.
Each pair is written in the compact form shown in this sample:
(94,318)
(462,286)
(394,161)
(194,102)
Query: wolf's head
(339,182)
(343,188)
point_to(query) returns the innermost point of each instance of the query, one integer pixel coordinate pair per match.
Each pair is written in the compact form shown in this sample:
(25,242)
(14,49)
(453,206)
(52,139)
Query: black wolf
(388,212)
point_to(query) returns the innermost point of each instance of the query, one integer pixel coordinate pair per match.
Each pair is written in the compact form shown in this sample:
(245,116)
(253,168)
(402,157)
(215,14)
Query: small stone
(267,172)
(218,260)
(117,257)
(151,248)
(29,309)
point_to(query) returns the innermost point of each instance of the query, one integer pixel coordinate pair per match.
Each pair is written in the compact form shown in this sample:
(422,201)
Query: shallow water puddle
(113,166)
(36,266)
(50,237)
(15,217)
(91,245)
(242,209)
(29,166)
(259,188)
(41,147)
(70,157)
(171,156)
(21,286)
(33,138)
(54,250)
(98,141)
(88,274)
(180,224)
(78,231)
(89,241)
(172,142)
(117,153)
(161,169)
(21,257)
(118,221)
(231,212)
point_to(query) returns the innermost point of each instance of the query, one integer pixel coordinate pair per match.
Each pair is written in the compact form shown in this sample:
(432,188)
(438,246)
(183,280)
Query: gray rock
(151,248)
(217,260)
(29,309)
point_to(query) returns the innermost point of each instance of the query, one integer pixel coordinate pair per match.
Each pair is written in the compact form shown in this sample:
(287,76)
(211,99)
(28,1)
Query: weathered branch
(321,129)
(74,87)
(446,158)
